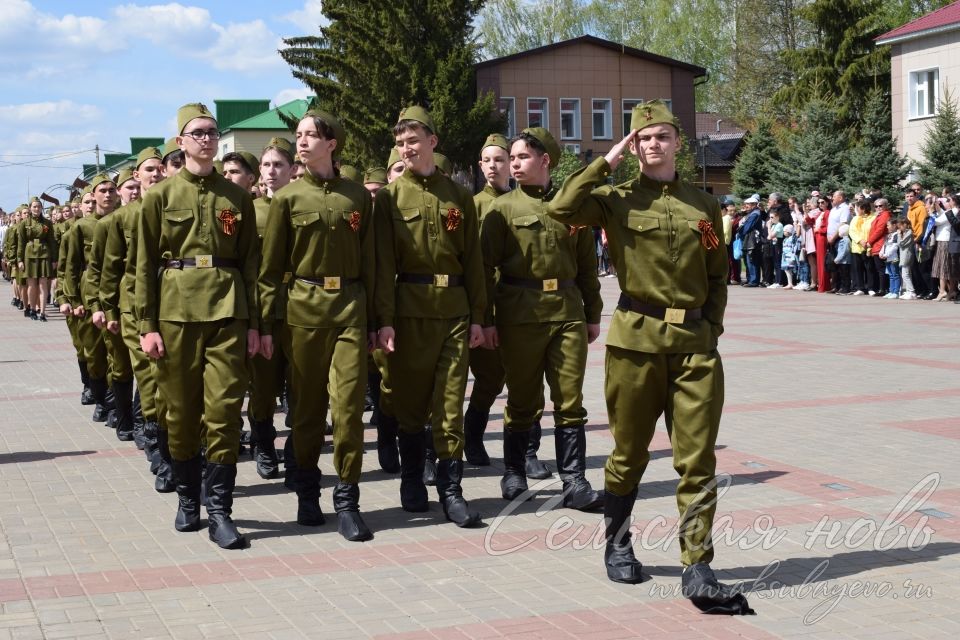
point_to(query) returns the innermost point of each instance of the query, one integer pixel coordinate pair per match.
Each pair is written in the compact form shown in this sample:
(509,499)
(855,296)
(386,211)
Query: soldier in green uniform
(374,179)
(80,240)
(430,301)
(321,228)
(117,294)
(171,156)
(10,255)
(196,301)
(666,241)
(547,307)
(36,252)
(86,396)
(395,166)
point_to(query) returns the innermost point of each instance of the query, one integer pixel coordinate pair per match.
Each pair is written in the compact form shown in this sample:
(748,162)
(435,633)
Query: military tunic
(321,231)
(202,312)
(542,330)
(10,244)
(36,247)
(58,297)
(121,368)
(666,241)
(79,241)
(430,288)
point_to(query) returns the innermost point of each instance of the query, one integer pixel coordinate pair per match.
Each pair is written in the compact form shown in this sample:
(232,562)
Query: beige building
(248,125)
(584,90)
(924,61)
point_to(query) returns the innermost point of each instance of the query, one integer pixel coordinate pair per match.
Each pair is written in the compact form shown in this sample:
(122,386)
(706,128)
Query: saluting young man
(666,241)
(196,301)
(430,302)
(321,228)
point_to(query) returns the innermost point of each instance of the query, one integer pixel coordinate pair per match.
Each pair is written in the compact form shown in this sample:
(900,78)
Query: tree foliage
(815,153)
(568,164)
(873,161)
(759,156)
(941,146)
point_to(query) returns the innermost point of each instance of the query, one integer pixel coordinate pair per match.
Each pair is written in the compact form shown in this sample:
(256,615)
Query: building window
(572,148)
(924,92)
(628,106)
(508,109)
(569,118)
(537,113)
(602,119)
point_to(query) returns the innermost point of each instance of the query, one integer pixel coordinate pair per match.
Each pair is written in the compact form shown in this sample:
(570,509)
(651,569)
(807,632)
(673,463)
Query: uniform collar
(648,182)
(423,181)
(203,181)
(493,191)
(538,192)
(317,181)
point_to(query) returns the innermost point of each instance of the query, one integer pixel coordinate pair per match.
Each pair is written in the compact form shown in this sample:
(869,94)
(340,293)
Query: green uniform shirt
(657,245)
(35,240)
(484,199)
(318,229)
(91,296)
(77,256)
(118,275)
(65,228)
(10,244)
(411,217)
(188,216)
(522,241)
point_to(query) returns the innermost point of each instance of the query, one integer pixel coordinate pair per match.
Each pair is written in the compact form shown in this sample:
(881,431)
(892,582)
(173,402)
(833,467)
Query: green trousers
(688,389)
(427,379)
(379,359)
(203,375)
(94,349)
(531,352)
(74,336)
(121,368)
(488,378)
(328,368)
(266,380)
(143,368)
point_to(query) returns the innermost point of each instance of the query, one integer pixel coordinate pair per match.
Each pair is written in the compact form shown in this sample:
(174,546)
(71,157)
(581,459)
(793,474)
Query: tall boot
(86,397)
(449,477)
(111,405)
(187,474)
(701,587)
(151,447)
(289,464)
(514,481)
(164,482)
(123,401)
(474,425)
(346,502)
(262,436)
(221,479)
(373,390)
(138,420)
(98,389)
(388,454)
(571,446)
(413,492)
(429,458)
(536,470)
(308,497)
(622,565)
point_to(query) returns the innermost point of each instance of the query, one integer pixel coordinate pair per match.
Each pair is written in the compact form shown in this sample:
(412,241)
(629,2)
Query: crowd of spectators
(866,246)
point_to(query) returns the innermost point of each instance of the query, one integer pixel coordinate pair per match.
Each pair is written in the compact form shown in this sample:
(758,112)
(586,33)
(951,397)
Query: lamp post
(704,143)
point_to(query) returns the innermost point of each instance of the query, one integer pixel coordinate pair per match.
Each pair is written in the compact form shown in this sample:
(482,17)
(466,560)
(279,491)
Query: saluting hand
(476,336)
(615,155)
(253,342)
(266,347)
(152,345)
(387,339)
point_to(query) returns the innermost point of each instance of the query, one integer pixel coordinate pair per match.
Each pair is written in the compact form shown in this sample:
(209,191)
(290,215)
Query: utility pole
(96,149)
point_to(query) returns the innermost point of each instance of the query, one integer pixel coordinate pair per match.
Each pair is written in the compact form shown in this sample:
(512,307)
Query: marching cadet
(374,179)
(321,227)
(666,242)
(59,228)
(242,168)
(267,376)
(118,356)
(76,292)
(36,251)
(86,396)
(395,166)
(117,294)
(196,301)
(547,306)
(171,157)
(10,255)
(430,301)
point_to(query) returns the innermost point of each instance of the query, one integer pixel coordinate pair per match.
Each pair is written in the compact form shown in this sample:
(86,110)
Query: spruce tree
(815,156)
(760,153)
(873,162)
(941,146)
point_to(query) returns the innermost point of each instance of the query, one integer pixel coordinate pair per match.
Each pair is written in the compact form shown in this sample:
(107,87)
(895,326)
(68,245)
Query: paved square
(840,438)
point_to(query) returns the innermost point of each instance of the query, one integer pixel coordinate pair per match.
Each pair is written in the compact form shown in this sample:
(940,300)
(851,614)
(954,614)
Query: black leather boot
(98,389)
(138,420)
(413,492)
(622,565)
(700,586)
(221,479)
(373,390)
(388,453)
(123,402)
(474,426)
(187,474)
(151,450)
(449,477)
(571,446)
(111,405)
(262,437)
(164,483)
(514,481)
(346,502)
(86,397)
(289,464)
(535,469)
(429,458)
(308,497)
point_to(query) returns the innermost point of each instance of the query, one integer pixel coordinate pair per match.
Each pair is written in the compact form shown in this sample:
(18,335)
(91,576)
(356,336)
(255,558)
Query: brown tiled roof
(707,124)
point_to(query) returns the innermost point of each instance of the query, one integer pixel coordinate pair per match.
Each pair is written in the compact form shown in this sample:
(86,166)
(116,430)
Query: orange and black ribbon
(575,227)
(354,221)
(228,219)
(708,237)
(454,216)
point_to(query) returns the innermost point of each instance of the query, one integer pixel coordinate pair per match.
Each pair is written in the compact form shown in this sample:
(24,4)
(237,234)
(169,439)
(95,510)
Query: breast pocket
(177,224)
(530,230)
(302,221)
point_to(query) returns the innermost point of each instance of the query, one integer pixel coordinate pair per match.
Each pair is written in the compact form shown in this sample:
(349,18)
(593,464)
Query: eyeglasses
(203,134)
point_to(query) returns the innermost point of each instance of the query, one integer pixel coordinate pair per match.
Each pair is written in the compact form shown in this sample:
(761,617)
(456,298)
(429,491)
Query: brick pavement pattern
(840,437)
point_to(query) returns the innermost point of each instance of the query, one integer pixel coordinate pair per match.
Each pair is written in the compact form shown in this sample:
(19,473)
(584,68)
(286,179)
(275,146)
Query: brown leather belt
(547,284)
(437,279)
(201,262)
(672,316)
(329,283)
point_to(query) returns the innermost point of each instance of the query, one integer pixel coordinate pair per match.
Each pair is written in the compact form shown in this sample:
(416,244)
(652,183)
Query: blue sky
(77,74)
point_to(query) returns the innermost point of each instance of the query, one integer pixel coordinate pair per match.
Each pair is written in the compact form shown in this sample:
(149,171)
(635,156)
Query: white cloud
(288,95)
(309,18)
(64,110)
(245,47)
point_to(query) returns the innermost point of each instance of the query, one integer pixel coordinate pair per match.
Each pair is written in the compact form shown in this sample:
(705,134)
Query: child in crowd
(890,253)
(788,259)
(907,257)
(775,237)
(843,260)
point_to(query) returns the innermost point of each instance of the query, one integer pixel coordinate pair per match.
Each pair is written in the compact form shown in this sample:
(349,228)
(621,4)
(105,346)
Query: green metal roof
(230,112)
(271,119)
(139,144)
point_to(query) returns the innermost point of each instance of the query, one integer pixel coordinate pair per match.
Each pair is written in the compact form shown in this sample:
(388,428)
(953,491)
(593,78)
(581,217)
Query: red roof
(946,17)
